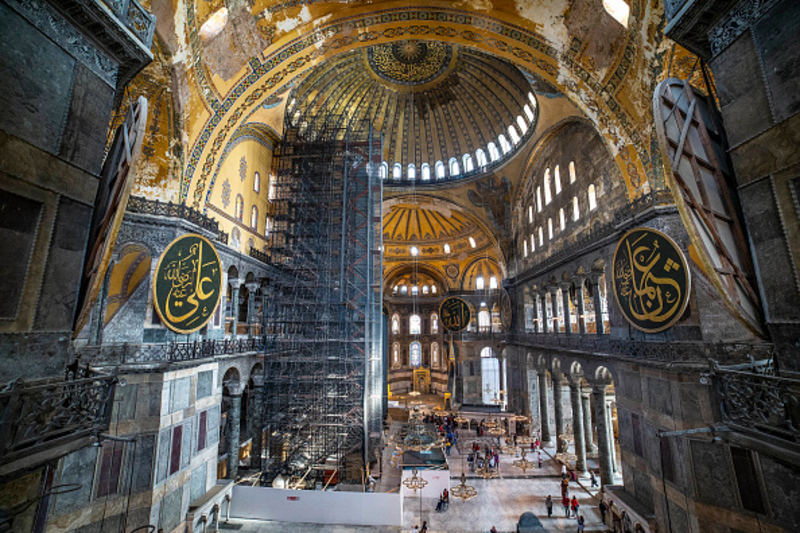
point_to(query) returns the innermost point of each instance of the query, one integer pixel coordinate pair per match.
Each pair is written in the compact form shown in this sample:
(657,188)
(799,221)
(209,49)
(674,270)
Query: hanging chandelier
(523,463)
(462,490)
(486,472)
(415,482)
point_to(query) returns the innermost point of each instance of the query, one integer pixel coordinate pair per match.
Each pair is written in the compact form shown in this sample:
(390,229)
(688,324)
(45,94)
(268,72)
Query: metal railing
(42,415)
(757,401)
(170,352)
(144,206)
(594,344)
(135,17)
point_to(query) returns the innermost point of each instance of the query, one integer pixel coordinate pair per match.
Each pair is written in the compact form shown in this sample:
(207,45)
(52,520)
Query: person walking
(540,459)
(594,478)
(581,524)
(603,510)
(575,505)
(565,503)
(424,527)
(549,504)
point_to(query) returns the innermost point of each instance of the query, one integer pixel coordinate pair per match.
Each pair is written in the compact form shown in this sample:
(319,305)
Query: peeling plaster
(290,24)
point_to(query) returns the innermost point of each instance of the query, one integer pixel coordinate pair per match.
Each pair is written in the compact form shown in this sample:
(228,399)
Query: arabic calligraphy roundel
(455,314)
(188,283)
(651,280)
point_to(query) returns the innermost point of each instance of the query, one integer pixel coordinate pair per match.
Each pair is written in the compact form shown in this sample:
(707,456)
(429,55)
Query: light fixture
(523,463)
(462,490)
(415,482)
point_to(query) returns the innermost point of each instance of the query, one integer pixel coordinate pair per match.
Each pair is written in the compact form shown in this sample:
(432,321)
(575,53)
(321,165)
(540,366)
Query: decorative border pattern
(231,109)
(47,20)
(735,24)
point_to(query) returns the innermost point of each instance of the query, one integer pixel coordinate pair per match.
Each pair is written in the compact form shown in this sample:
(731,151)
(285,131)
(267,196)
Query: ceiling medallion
(409,62)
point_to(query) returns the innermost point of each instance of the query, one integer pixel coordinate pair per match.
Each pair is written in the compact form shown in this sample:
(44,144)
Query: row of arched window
(415,289)
(480,283)
(239,214)
(455,167)
(547,314)
(415,355)
(562,221)
(415,324)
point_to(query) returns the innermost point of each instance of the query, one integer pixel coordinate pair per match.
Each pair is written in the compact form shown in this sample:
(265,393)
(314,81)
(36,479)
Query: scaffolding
(323,371)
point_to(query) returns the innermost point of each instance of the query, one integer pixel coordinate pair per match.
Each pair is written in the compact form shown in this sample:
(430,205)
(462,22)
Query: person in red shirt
(575,505)
(565,503)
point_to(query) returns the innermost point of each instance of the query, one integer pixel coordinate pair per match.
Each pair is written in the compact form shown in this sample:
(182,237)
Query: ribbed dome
(444,111)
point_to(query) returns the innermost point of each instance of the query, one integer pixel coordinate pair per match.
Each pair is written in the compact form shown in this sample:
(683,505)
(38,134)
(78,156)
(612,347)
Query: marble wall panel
(77,467)
(205,384)
(776,36)
(199,477)
(712,473)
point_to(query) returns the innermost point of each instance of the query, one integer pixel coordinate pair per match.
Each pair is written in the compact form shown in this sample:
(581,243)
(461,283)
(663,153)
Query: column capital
(252,286)
(575,380)
(599,387)
(578,280)
(235,388)
(258,380)
(594,277)
(565,285)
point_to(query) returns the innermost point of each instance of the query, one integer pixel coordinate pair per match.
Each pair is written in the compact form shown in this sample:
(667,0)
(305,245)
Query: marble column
(565,287)
(544,415)
(252,287)
(257,422)
(612,442)
(554,305)
(547,325)
(604,446)
(234,283)
(598,311)
(577,423)
(578,280)
(558,390)
(587,421)
(234,421)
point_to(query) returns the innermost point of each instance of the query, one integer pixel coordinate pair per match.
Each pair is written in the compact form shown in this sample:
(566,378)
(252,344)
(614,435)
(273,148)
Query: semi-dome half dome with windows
(446,112)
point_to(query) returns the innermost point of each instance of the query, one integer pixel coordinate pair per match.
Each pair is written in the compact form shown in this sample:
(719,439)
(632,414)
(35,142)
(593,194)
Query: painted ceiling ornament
(452,270)
(242,168)
(410,62)
(188,283)
(651,280)
(226,193)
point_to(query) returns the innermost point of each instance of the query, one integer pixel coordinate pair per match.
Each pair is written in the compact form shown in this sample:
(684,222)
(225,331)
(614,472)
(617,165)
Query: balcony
(755,400)
(49,418)
(170,352)
(144,206)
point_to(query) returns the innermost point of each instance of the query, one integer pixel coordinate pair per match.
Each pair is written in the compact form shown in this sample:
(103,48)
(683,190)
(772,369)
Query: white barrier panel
(438,480)
(316,506)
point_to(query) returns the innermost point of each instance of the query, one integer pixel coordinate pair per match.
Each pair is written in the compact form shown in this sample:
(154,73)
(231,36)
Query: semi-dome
(445,112)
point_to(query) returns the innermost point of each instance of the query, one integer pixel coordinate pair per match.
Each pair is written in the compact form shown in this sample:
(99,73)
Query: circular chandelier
(523,463)
(462,490)
(486,472)
(415,482)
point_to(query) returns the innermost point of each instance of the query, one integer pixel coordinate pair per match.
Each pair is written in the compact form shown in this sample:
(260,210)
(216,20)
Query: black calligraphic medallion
(455,314)
(651,280)
(188,283)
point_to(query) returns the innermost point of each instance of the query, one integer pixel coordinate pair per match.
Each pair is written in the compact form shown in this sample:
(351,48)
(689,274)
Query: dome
(446,112)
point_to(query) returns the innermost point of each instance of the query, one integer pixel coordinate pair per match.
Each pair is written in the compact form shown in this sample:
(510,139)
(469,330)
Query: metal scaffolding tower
(323,311)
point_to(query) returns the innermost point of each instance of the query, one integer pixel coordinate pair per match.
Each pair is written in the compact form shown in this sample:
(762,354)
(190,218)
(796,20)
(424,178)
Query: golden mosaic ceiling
(432,101)
(407,223)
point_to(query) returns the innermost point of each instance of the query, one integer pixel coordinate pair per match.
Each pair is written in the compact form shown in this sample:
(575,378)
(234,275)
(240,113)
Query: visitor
(603,510)
(549,504)
(575,505)
(594,478)
(540,459)
(415,530)
(563,471)
(565,503)
(564,486)
(424,527)
(581,524)
(493,530)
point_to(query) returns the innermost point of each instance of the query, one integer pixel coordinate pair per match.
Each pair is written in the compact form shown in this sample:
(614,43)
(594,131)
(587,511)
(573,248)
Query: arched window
(562,219)
(484,321)
(468,165)
(548,197)
(411,173)
(267,226)
(576,212)
(446,248)
(396,354)
(414,290)
(416,354)
(550,228)
(533,243)
(454,169)
(424,289)
(572,176)
(532,100)
(239,211)
(435,354)
(480,155)
(523,127)
(528,112)
(504,144)
(592,198)
(439,170)
(479,285)
(557,179)
(541,236)
(434,323)
(415,325)
(472,242)
(254,218)
(494,154)
(403,289)
(433,289)
(426,172)
(395,323)
(539,199)
(618,9)
(525,247)
(493,282)
(512,132)
(396,288)
(530,214)
(397,171)
(271,187)
(414,251)
(257,182)
(384,170)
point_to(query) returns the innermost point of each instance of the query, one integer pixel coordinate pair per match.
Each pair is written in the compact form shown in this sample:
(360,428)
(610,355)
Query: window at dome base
(416,354)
